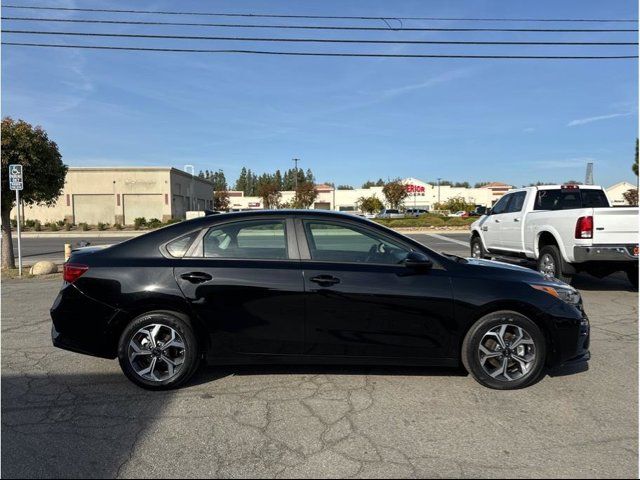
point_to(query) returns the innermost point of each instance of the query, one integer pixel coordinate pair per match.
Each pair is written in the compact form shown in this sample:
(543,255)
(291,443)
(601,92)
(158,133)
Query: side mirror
(489,211)
(418,261)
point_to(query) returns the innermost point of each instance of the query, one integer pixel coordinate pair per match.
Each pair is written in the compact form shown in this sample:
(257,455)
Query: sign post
(15,183)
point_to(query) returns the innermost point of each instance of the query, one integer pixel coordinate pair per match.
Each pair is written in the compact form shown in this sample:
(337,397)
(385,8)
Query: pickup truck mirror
(489,211)
(418,261)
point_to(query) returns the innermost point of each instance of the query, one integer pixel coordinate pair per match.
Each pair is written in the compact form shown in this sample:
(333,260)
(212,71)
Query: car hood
(493,267)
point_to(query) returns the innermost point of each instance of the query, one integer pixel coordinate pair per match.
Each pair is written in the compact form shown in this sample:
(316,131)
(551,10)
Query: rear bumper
(81,324)
(604,253)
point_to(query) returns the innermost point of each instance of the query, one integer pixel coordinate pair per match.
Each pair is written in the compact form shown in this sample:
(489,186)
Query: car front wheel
(505,351)
(158,350)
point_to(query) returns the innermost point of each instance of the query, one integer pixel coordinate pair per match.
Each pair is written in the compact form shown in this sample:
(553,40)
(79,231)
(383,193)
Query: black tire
(191,354)
(471,351)
(476,245)
(560,269)
(632,275)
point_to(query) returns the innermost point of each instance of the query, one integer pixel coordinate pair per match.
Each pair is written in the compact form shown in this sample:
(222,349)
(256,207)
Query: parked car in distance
(390,213)
(312,287)
(478,211)
(459,213)
(565,228)
(415,212)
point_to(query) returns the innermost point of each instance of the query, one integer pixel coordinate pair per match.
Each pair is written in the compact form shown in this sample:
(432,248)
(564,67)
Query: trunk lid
(615,225)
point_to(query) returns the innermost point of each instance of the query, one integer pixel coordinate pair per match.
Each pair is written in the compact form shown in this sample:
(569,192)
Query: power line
(324,17)
(308,40)
(323,54)
(320,27)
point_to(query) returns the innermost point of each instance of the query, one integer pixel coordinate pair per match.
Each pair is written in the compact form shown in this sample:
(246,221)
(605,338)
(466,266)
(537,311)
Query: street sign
(15,177)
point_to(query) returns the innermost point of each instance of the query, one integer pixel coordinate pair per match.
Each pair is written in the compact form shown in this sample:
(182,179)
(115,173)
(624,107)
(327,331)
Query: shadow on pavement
(83,426)
(615,282)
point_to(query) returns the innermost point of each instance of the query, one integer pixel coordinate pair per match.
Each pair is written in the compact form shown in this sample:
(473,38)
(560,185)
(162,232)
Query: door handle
(516,219)
(196,277)
(325,280)
(496,220)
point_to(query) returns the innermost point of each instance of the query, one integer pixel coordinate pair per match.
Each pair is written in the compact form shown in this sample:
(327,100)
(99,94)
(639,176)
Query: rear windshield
(569,199)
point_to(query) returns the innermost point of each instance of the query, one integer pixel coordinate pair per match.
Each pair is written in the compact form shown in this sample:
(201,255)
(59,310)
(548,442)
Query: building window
(68,200)
(118,199)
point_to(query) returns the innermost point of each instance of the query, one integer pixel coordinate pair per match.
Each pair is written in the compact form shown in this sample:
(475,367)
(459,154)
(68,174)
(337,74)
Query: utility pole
(439,189)
(296,160)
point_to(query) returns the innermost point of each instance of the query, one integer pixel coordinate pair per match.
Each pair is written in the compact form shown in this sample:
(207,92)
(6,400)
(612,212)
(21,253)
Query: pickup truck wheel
(550,262)
(632,275)
(477,249)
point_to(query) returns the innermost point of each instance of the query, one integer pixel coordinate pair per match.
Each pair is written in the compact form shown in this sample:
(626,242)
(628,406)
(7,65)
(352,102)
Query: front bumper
(605,253)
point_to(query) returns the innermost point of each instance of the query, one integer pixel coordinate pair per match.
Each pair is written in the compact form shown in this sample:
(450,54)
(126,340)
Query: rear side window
(567,200)
(261,240)
(178,248)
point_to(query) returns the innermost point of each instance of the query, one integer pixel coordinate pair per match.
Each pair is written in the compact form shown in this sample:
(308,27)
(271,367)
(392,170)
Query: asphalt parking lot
(66,415)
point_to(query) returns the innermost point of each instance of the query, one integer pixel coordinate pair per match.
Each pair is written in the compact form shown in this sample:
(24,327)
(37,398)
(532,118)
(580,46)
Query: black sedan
(310,287)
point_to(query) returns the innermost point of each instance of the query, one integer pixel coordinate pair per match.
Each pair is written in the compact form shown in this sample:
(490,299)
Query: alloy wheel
(477,250)
(507,352)
(156,352)
(548,265)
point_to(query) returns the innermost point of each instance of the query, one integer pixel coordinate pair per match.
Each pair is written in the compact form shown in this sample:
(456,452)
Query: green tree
(345,187)
(43,171)
(306,194)
(631,197)
(480,184)
(395,192)
(218,179)
(241,183)
(370,204)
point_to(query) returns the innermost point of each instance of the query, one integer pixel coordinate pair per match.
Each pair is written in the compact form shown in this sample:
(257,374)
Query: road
(65,414)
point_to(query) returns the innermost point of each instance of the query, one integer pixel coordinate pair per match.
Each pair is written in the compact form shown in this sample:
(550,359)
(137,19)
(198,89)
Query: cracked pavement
(67,415)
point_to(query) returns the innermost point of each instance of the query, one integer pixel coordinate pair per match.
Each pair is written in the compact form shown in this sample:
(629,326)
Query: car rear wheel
(477,249)
(504,351)
(551,263)
(158,350)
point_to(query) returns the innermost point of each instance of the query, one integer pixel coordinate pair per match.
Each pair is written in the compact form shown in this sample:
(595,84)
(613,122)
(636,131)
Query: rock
(43,268)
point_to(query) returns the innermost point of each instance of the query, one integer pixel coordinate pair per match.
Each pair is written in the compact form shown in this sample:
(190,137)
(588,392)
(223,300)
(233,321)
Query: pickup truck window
(562,200)
(501,206)
(517,202)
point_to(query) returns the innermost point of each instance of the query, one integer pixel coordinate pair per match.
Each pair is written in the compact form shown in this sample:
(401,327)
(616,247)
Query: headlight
(568,295)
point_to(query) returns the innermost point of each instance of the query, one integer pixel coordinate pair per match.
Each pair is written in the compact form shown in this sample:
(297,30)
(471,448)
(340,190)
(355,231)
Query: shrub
(172,220)
(139,223)
(14,222)
(433,221)
(37,226)
(67,226)
(117,226)
(84,226)
(154,223)
(61,223)
(102,226)
(53,226)
(29,223)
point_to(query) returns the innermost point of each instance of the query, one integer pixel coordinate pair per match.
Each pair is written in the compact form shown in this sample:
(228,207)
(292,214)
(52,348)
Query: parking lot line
(448,239)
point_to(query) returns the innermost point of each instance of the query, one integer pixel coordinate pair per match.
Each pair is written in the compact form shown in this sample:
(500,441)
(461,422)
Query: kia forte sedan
(310,287)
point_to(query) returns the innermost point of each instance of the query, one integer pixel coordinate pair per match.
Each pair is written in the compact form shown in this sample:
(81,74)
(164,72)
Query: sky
(348,119)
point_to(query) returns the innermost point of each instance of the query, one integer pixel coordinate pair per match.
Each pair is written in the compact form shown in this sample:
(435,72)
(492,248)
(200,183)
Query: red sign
(415,188)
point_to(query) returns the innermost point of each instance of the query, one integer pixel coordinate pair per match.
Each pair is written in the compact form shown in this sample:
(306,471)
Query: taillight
(584,227)
(73,271)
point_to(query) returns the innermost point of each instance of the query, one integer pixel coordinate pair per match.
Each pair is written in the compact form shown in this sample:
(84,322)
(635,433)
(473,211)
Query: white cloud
(582,121)
(529,130)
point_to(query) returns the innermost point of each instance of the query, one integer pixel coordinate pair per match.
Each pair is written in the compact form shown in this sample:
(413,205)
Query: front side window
(262,240)
(517,202)
(501,206)
(333,242)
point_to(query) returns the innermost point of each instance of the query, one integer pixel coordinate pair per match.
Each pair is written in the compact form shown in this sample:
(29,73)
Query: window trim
(305,252)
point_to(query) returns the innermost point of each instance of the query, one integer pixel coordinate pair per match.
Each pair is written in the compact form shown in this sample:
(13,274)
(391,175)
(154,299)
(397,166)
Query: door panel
(377,310)
(493,224)
(512,221)
(248,306)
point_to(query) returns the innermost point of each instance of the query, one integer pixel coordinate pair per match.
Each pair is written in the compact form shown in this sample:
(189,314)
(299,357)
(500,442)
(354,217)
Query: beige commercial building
(421,195)
(122,194)
(616,193)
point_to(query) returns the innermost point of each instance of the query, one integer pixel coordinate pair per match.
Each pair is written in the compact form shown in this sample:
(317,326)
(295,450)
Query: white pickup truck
(565,228)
